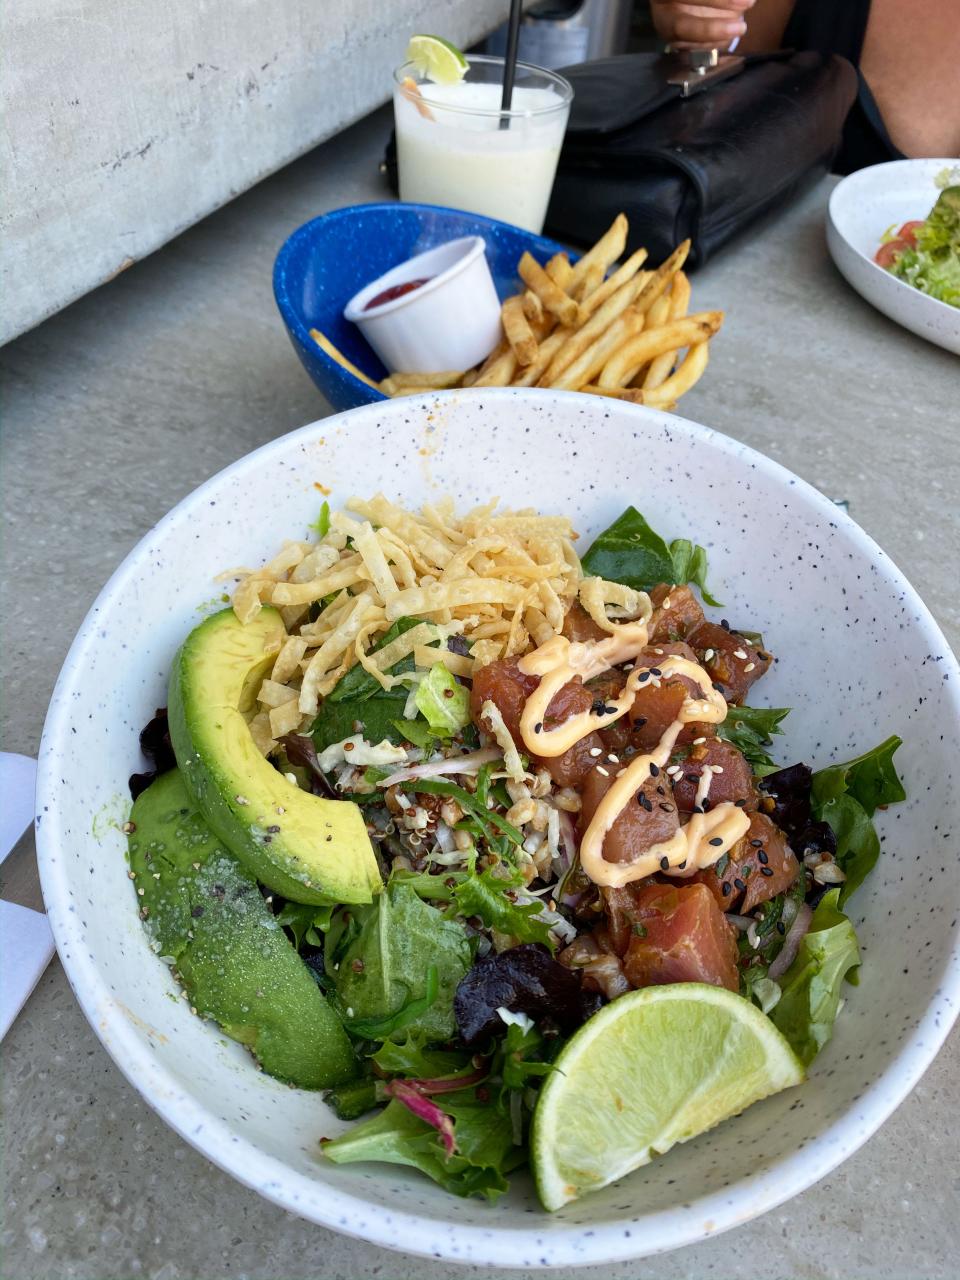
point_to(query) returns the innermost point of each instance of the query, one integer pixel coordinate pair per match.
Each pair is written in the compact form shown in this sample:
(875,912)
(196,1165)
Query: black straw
(510,61)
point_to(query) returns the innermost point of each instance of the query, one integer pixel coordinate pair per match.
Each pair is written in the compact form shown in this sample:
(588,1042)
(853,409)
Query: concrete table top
(119,406)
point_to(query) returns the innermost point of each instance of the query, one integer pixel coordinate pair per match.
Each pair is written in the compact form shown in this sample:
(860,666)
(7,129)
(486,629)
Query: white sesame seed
(612,759)
(673,770)
(716,768)
(658,651)
(749,666)
(739,653)
(710,653)
(596,751)
(666,603)
(600,769)
(697,741)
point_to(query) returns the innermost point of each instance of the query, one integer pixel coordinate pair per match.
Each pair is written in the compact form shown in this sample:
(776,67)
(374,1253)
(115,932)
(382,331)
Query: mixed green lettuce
(632,553)
(933,266)
(810,989)
(395,964)
(750,730)
(846,796)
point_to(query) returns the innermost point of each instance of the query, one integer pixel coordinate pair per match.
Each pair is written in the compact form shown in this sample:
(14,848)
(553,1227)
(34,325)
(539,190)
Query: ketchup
(396,291)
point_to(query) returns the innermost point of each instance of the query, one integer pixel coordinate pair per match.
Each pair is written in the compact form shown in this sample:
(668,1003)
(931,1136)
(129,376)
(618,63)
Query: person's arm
(759,24)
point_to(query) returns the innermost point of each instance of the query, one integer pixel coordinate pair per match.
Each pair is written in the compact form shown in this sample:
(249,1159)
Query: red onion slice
(791,943)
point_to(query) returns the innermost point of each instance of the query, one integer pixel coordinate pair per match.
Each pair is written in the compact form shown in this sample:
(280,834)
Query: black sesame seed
(706,806)
(739,803)
(664,864)
(640,722)
(682,866)
(698,808)
(741,884)
(655,671)
(726,888)
(538,727)
(781,928)
(718,687)
(644,802)
(764,657)
(766,871)
(691,777)
(660,791)
(717,840)
(643,677)
(756,844)
(725,624)
(654,770)
(762,857)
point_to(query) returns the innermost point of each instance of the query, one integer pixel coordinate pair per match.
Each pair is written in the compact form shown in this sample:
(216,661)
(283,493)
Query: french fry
(517,330)
(607,250)
(437,381)
(559,270)
(582,338)
(659,282)
(548,349)
(658,314)
(594,298)
(554,299)
(325,345)
(501,347)
(632,395)
(661,368)
(680,382)
(654,342)
(532,307)
(590,283)
(585,368)
(500,371)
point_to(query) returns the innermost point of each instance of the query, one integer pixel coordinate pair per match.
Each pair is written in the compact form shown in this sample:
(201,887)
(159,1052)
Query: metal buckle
(693,70)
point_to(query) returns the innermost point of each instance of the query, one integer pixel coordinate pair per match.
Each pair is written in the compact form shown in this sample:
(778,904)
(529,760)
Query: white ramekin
(451,322)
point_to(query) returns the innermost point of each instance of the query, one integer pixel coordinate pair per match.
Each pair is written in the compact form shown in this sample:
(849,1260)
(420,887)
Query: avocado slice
(207,918)
(308,849)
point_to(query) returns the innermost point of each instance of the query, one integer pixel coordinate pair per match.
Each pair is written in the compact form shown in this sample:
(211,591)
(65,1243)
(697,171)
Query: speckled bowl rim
(330,1207)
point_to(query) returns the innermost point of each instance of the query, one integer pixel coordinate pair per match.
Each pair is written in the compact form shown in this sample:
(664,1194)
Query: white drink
(459,155)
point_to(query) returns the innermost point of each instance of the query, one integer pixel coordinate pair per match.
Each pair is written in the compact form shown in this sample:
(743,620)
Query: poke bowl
(859,659)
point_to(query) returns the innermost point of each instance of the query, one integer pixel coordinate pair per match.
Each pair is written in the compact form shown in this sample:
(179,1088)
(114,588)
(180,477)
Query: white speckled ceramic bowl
(860,658)
(862,207)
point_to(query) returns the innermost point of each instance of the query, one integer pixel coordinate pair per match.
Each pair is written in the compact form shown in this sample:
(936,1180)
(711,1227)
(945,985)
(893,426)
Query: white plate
(861,209)
(860,658)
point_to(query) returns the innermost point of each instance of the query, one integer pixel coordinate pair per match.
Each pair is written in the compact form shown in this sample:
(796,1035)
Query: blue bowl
(326,261)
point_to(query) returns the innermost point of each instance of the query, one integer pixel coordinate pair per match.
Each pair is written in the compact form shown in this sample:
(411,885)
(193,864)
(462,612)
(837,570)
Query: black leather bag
(701,167)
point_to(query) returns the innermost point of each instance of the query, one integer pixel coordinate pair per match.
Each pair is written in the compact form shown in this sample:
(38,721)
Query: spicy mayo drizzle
(707,836)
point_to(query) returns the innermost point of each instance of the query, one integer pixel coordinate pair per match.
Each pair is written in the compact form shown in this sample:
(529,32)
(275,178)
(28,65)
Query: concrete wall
(124,121)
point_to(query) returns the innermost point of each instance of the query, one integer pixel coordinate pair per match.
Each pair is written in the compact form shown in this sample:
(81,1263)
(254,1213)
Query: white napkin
(26,943)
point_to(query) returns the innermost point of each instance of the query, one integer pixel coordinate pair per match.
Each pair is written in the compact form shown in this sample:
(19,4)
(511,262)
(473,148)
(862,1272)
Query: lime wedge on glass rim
(655,1067)
(437,59)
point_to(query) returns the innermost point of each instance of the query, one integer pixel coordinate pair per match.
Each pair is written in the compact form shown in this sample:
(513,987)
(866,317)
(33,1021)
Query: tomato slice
(888,253)
(908,232)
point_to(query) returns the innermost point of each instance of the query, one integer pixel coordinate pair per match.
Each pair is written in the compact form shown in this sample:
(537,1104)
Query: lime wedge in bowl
(656,1067)
(437,59)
